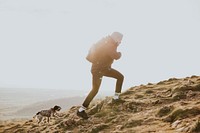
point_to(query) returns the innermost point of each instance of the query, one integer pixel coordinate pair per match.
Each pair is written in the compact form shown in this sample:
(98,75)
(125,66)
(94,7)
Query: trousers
(97,75)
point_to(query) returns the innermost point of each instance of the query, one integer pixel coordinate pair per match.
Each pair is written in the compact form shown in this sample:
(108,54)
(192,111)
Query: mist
(43,43)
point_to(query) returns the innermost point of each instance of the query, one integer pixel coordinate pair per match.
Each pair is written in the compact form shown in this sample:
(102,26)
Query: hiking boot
(82,114)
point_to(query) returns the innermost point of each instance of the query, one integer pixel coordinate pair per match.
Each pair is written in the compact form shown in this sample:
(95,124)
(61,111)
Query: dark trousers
(96,82)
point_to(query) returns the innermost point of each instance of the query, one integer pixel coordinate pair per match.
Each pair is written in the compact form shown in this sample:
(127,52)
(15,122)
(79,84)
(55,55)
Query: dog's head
(57,108)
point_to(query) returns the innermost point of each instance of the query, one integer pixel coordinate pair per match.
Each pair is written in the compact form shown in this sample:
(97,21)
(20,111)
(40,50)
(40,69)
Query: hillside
(166,107)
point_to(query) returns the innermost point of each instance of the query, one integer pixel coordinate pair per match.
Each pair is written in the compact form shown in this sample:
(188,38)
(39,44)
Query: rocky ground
(166,107)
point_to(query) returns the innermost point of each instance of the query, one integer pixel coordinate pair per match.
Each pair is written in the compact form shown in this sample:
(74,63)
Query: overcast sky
(43,43)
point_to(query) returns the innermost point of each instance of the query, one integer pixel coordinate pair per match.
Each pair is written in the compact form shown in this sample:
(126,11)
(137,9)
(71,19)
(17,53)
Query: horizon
(44,42)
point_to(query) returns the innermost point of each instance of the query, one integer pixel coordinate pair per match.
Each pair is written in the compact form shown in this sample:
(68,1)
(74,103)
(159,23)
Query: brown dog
(47,113)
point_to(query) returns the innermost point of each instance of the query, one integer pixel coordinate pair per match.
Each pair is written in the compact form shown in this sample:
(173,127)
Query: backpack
(95,51)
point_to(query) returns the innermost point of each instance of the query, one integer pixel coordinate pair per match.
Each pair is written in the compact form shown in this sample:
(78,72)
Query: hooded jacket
(106,53)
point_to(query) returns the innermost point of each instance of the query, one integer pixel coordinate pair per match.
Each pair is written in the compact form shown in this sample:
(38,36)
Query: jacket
(106,54)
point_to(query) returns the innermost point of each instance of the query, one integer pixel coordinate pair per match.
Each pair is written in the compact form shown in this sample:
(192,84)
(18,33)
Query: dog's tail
(38,113)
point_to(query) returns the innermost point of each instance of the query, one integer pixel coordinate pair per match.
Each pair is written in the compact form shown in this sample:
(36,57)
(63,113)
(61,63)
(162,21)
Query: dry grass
(168,106)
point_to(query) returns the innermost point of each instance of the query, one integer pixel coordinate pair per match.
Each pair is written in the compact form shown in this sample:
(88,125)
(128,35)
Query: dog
(47,113)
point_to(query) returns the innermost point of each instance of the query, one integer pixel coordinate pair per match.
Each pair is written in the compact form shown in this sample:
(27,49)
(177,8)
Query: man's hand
(119,55)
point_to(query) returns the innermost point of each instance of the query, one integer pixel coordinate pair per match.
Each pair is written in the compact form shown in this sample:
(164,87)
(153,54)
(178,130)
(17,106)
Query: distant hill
(30,110)
(65,103)
(166,107)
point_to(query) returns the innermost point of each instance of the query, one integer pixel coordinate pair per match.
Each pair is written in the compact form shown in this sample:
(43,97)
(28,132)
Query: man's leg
(117,75)
(96,82)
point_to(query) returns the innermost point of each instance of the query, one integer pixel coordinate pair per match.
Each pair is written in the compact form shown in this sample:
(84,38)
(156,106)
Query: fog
(43,43)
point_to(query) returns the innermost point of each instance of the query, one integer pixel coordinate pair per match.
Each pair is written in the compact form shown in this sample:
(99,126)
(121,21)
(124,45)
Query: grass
(132,123)
(181,114)
(98,128)
(104,113)
(197,127)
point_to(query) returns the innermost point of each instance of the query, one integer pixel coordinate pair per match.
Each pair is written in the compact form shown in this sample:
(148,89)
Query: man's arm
(113,52)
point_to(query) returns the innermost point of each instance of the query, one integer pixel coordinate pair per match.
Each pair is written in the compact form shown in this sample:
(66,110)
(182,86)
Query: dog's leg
(54,115)
(39,120)
(44,120)
(48,119)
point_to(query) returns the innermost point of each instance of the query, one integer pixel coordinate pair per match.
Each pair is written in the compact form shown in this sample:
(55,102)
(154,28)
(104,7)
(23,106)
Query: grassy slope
(168,106)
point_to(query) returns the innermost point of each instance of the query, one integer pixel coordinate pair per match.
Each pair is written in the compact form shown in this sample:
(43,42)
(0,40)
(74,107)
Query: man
(105,52)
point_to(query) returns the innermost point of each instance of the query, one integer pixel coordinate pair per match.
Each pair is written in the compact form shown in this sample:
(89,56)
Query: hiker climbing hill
(102,54)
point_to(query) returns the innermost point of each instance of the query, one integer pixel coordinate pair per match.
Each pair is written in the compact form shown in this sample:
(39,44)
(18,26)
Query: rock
(180,129)
(119,127)
(186,129)
(96,108)
(175,124)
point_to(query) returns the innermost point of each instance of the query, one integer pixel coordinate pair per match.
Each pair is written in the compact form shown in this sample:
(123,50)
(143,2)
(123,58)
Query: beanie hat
(117,37)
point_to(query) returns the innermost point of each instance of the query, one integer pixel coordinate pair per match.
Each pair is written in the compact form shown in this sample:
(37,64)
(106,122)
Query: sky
(43,43)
